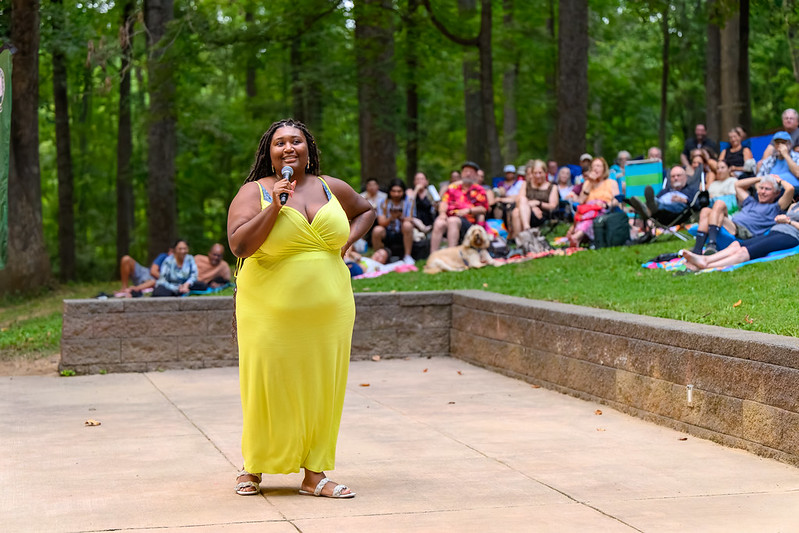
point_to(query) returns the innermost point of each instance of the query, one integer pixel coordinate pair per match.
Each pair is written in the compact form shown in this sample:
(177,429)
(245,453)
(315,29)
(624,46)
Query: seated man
(211,270)
(677,196)
(142,278)
(460,206)
(783,162)
(755,218)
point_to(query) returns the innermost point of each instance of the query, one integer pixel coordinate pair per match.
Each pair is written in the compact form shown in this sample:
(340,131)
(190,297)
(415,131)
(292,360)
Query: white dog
(472,253)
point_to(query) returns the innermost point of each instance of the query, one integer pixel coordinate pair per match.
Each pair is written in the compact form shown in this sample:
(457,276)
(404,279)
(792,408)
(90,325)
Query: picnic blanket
(678,264)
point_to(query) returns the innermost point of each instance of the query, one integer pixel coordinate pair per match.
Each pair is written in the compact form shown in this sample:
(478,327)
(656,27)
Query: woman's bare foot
(312,479)
(694,261)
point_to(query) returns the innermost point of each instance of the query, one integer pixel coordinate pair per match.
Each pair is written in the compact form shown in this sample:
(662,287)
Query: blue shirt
(756,217)
(384,209)
(172,276)
(778,166)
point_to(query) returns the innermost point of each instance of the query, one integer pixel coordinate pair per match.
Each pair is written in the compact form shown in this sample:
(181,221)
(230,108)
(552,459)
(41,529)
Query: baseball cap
(782,136)
(470,164)
(509,168)
(585,157)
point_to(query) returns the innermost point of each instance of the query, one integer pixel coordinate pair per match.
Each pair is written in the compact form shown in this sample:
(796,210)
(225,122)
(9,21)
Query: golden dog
(473,253)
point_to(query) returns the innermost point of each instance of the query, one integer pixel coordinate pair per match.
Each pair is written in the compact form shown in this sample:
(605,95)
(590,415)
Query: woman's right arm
(248,225)
(521,198)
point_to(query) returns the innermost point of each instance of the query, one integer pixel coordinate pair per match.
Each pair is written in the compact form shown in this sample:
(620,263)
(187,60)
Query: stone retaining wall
(745,385)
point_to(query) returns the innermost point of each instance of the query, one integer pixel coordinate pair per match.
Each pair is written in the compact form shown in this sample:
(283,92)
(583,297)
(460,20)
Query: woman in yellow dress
(294,309)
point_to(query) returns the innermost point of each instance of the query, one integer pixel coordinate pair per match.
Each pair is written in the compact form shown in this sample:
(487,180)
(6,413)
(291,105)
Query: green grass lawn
(612,278)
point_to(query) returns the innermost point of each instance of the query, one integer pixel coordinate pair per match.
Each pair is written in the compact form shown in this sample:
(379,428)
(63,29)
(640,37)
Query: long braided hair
(263,160)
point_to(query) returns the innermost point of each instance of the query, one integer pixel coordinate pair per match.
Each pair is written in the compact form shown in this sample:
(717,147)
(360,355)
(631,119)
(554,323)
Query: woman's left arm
(358,210)
(552,201)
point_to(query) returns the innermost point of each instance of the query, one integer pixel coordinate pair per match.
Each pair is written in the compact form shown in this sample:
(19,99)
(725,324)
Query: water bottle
(431,189)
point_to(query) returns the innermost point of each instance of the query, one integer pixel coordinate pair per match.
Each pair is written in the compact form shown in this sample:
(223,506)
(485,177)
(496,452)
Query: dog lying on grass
(472,253)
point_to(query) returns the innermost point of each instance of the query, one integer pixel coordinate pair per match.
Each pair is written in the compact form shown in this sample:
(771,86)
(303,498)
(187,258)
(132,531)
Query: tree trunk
(28,266)
(473,109)
(249,19)
(374,45)
(745,116)
(792,33)
(124,183)
(161,135)
(509,118)
(66,214)
(572,80)
(412,94)
(664,80)
(730,88)
(713,76)
(491,135)
(551,79)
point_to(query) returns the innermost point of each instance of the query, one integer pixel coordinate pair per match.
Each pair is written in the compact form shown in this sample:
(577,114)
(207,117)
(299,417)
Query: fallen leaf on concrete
(598,412)
(450,403)
(601,429)
(536,386)
(375,358)
(365,385)
(748,320)
(460,373)
(736,304)
(425,370)
(683,438)
(91,422)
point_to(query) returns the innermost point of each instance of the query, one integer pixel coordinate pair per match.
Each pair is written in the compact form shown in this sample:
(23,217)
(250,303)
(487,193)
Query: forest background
(136,121)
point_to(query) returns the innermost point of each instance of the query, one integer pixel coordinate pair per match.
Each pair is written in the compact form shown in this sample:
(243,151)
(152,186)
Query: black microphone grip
(287,172)
(284,196)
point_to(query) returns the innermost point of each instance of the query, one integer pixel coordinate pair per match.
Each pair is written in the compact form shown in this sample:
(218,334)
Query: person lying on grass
(784,235)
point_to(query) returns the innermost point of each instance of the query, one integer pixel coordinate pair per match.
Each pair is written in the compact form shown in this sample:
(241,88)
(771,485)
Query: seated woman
(505,195)
(721,186)
(178,272)
(784,235)
(597,196)
(736,155)
(564,182)
(537,198)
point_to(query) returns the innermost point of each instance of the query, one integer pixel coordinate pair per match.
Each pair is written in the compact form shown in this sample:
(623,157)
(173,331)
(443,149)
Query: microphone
(287,172)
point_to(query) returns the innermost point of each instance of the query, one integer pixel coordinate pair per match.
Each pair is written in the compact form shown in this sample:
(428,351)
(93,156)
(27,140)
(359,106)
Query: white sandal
(336,491)
(248,484)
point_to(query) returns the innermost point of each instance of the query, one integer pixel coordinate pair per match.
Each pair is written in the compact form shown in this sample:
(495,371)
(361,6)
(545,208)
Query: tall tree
(509,77)
(572,80)
(412,92)
(161,135)
(377,98)
(735,98)
(66,214)
(664,77)
(28,265)
(124,183)
(744,85)
(488,138)
(713,75)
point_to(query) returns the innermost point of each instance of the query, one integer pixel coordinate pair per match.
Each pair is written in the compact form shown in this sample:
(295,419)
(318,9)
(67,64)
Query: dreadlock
(263,161)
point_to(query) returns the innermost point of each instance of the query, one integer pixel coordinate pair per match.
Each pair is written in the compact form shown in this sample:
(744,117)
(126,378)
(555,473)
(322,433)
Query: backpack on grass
(611,229)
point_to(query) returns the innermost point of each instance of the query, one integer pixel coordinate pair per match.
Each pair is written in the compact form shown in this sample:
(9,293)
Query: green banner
(5,138)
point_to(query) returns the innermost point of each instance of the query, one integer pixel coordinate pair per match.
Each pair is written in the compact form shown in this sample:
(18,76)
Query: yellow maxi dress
(295,312)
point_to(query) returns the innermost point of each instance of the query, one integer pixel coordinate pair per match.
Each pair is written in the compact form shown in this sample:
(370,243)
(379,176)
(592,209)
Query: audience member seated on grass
(178,272)
(700,141)
(505,195)
(425,207)
(739,158)
(212,271)
(677,196)
(394,226)
(141,278)
(617,169)
(755,218)
(565,186)
(358,264)
(460,206)
(790,123)
(782,236)
(597,196)
(585,163)
(721,186)
(783,162)
(373,194)
(536,200)
(552,170)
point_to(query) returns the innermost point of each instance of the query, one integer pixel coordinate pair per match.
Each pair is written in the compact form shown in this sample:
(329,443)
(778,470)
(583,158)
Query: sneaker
(710,249)
(651,203)
(408,260)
